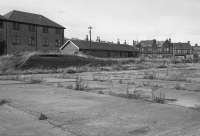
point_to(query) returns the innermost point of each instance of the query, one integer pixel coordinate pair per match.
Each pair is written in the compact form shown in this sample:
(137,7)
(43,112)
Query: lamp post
(90,33)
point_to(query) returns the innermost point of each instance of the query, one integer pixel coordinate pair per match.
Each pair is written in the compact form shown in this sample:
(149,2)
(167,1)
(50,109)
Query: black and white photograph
(99,67)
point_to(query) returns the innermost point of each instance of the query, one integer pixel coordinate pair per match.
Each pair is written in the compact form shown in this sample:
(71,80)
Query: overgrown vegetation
(150,75)
(43,117)
(32,80)
(100,77)
(179,87)
(157,98)
(81,84)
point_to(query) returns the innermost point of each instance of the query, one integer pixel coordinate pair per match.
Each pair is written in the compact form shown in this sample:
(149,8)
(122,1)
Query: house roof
(151,43)
(160,43)
(2,17)
(182,45)
(25,17)
(146,43)
(85,45)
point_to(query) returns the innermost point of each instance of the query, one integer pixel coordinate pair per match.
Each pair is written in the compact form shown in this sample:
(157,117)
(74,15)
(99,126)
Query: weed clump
(43,117)
(100,92)
(150,75)
(34,81)
(157,98)
(4,101)
(179,87)
(80,84)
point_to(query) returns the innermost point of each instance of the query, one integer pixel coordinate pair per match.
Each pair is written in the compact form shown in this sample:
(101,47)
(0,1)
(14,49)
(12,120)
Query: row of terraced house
(165,49)
(23,31)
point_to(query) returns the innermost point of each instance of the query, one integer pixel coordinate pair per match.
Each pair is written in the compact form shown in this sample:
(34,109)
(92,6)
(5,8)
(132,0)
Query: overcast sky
(124,19)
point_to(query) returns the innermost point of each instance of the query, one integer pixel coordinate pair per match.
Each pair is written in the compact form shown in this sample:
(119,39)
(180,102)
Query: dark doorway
(2,48)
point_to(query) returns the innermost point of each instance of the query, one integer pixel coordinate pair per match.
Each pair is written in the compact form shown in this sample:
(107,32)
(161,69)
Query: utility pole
(90,32)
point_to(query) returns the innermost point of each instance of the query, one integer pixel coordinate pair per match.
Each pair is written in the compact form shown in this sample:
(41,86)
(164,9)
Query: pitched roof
(2,17)
(146,43)
(196,48)
(160,43)
(31,18)
(182,45)
(82,44)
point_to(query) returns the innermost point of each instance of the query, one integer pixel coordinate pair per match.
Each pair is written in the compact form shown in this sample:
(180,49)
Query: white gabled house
(69,48)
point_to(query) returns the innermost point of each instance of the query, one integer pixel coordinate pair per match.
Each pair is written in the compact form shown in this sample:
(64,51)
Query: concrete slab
(88,114)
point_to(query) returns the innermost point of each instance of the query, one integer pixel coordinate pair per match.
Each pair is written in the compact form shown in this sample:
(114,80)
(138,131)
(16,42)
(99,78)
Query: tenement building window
(1,24)
(16,26)
(16,40)
(58,43)
(45,29)
(58,31)
(32,28)
(31,41)
(46,42)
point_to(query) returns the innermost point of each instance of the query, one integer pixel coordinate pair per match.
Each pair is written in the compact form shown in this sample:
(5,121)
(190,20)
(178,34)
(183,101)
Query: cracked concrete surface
(78,113)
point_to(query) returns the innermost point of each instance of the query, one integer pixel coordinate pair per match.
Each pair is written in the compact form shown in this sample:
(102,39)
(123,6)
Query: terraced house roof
(82,44)
(25,17)
(182,45)
(2,17)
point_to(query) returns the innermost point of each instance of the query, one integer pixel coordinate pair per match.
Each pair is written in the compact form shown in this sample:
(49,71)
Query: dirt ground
(98,108)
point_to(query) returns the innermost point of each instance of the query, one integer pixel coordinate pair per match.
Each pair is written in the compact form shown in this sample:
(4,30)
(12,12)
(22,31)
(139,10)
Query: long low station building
(98,49)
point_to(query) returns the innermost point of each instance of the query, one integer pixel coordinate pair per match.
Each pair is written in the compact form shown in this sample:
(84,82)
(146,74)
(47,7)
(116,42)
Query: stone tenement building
(22,31)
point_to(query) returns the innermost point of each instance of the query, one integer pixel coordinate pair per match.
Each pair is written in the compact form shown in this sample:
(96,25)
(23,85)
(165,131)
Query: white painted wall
(70,49)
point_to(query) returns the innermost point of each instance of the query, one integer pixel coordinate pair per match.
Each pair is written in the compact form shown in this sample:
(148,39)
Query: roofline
(12,11)
(32,24)
(3,18)
(115,44)
(65,44)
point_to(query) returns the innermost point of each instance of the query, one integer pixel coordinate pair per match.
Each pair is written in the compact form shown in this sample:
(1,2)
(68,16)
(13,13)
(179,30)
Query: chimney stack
(118,41)
(134,42)
(98,39)
(170,40)
(86,38)
(125,42)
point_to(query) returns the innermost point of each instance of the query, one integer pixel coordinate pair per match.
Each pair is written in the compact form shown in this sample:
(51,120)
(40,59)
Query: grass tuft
(43,117)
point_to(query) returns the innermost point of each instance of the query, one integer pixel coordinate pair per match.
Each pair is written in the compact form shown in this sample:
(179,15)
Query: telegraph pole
(90,32)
